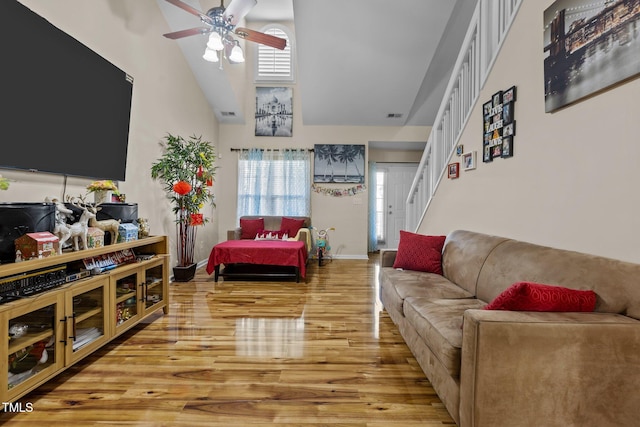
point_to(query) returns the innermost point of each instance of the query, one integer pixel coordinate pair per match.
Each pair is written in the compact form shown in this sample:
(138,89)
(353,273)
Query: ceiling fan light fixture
(210,55)
(215,42)
(236,53)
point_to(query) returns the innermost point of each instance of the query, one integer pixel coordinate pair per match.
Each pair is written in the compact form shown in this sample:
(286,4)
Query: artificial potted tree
(186,170)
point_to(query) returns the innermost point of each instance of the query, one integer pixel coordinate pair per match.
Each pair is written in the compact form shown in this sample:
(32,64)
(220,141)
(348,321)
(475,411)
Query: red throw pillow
(250,227)
(292,225)
(419,252)
(529,296)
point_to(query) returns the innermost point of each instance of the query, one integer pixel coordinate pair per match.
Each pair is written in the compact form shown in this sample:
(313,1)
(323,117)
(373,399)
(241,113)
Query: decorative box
(36,245)
(127,232)
(95,237)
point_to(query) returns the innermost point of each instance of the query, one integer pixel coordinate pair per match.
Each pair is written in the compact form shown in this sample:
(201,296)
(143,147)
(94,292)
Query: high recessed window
(275,64)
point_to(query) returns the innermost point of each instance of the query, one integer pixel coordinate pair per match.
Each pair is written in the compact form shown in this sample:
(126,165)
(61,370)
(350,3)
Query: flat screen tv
(65,109)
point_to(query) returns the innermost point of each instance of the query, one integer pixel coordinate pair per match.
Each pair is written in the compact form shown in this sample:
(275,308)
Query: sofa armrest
(304,235)
(387,257)
(234,234)
(576,369)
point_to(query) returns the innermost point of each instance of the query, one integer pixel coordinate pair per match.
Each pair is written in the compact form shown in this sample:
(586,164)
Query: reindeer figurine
(79,230)
(106,225)
(61,228)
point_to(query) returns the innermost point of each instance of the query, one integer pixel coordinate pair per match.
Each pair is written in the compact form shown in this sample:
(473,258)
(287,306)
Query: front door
(398,178)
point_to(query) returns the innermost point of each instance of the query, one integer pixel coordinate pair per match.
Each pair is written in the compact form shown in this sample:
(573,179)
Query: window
(274,182)
(380,207)
(274,64)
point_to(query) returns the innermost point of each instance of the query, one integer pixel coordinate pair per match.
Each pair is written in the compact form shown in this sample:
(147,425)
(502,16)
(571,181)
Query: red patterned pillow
(291,224)
(250,227)
(529,296)
(419,252)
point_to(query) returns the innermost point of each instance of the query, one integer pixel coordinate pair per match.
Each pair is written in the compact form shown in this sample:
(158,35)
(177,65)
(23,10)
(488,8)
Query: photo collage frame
(499,125)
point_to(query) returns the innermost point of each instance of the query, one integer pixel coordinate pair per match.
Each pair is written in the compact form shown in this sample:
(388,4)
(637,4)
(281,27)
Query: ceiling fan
(220,25)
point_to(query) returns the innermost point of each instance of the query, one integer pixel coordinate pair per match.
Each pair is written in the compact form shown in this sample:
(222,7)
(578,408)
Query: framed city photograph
(507,147)
(469,160)
(453,170)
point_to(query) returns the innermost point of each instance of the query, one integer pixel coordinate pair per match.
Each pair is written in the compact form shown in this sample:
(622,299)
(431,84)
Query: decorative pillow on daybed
(419,252)
(272,235)
(250,227)
(291,225)
(529,296)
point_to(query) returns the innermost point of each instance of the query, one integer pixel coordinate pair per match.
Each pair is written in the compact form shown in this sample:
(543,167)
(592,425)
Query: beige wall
(347,214)
(572,180)
(166,98)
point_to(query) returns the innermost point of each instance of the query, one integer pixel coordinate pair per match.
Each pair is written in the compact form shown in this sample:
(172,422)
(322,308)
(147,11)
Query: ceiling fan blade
(191,10)
(237,10)
(262,38)
(186,33)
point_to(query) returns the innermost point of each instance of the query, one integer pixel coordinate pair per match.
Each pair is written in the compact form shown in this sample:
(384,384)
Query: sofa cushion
(292,225)
(439,324)
(529,296)
(419,252)
(250,227)
(401,284)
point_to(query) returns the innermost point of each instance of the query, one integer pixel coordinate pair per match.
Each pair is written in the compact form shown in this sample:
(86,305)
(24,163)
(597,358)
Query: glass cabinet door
(35,332)
(87,319)
(152,291)
(125,295)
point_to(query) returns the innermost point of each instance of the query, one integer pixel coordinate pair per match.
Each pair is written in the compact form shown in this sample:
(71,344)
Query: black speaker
(17,219)
(125,212)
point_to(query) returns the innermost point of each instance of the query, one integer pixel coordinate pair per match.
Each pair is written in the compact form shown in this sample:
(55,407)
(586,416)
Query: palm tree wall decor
(338,163)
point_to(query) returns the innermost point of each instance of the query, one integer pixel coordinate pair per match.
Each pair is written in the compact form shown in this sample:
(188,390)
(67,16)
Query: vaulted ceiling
(357,61)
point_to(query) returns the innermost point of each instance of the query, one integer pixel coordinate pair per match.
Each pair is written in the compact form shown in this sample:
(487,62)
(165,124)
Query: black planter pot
(184,274)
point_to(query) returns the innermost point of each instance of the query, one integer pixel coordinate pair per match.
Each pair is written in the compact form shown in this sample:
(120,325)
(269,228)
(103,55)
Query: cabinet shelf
(97,309)
(28,339)
(80,317)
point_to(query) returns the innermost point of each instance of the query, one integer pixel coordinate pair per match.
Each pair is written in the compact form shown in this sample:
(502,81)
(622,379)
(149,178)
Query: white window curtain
(274,182)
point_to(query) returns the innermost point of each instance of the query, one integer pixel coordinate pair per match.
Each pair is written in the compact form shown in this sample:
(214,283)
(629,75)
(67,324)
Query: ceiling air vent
(228,113)
(394,115)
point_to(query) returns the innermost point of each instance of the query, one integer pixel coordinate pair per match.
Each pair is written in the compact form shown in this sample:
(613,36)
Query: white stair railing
(488,28)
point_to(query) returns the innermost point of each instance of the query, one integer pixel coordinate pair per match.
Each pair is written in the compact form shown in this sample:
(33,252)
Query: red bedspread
(271,252)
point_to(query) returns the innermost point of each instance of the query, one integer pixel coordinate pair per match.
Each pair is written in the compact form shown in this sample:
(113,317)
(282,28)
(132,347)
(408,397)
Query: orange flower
(182,187)
(197,219)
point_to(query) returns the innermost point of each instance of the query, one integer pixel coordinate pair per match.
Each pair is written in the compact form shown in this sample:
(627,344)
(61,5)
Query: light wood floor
(251,353)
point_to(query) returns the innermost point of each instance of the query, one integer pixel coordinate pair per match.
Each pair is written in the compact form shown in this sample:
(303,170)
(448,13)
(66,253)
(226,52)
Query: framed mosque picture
(274,111)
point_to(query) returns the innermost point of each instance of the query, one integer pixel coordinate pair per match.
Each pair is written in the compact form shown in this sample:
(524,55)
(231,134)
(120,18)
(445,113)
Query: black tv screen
(65,109)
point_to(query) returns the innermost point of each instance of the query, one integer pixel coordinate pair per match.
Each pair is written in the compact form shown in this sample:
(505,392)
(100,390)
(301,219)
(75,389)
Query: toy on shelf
(323,249)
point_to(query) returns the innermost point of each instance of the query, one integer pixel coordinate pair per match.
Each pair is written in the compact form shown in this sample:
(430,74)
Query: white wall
(166,98)
(572,181)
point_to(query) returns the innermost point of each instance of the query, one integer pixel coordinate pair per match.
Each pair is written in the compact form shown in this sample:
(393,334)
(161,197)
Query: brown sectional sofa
(498,368)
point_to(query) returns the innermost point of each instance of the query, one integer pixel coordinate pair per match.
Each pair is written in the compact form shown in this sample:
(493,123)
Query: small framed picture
(510,129)
(509,95)
(454,170)
(507,112)
(507,147)
(486,108)
(486,154)
(497,98)
(496,151)
(469,160)
(459,150)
